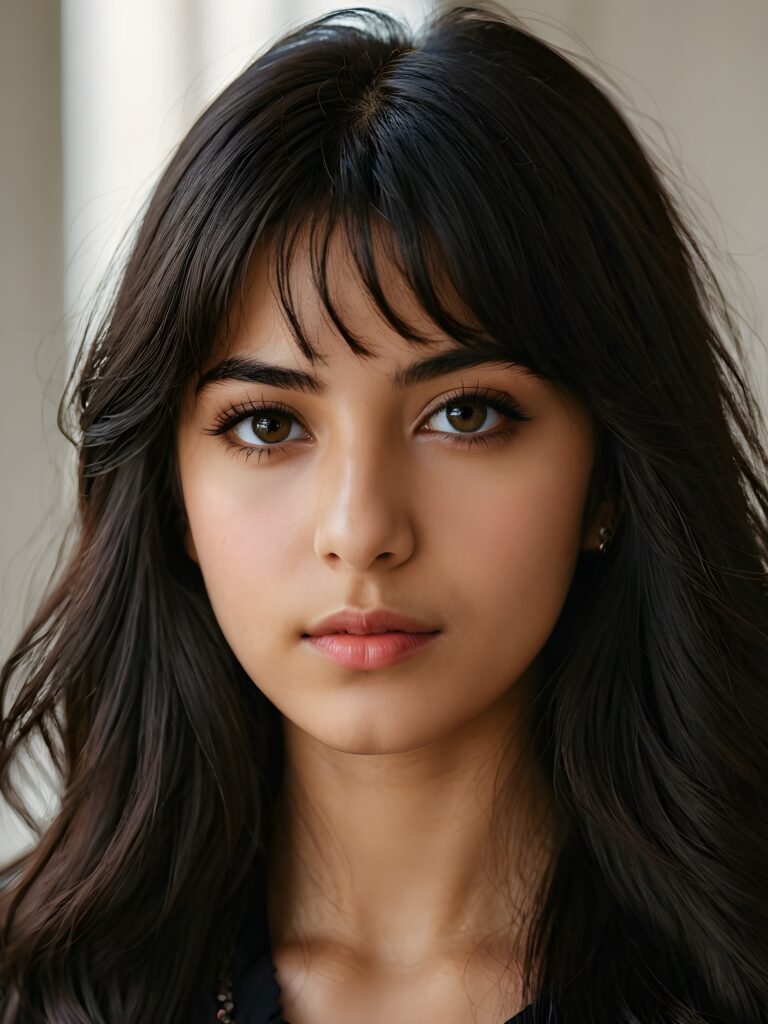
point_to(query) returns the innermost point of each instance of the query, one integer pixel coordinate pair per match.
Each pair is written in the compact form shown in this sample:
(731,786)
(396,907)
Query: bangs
(420,268)
(421,265)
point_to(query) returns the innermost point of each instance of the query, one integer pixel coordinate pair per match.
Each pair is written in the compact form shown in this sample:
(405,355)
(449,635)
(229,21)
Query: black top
(255,987)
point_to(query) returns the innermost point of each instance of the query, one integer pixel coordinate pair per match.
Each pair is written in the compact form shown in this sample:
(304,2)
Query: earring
(605,533)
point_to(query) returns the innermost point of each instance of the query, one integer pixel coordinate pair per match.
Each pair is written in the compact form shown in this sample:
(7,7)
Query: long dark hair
(492,158)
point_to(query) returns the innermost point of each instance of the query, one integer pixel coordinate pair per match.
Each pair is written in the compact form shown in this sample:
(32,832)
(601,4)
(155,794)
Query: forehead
(257,342)
(259,322)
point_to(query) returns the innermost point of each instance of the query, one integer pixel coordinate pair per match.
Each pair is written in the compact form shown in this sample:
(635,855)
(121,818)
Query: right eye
(265,428)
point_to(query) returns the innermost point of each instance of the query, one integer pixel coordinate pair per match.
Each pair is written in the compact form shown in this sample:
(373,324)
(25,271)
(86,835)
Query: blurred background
(95,95)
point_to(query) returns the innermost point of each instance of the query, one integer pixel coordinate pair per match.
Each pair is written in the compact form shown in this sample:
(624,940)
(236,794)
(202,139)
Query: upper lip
(377,620)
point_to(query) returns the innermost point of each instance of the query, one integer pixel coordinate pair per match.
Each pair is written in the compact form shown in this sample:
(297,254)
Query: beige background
(94,95)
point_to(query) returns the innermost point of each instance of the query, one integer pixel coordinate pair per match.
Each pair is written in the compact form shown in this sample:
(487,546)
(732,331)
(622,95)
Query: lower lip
(374,650)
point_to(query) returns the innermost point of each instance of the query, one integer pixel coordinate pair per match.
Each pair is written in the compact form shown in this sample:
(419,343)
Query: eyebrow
(256,372)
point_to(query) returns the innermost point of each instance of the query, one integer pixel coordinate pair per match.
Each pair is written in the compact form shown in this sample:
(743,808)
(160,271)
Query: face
(451,510)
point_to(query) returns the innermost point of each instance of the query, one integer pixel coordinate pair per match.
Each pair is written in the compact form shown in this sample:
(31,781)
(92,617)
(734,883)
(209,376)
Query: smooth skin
(381,901)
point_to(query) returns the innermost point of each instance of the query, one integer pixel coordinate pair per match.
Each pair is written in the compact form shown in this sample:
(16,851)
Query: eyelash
(500,402)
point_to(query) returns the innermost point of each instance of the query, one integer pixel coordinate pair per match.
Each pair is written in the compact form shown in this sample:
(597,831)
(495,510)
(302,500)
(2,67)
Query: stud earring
(605,533)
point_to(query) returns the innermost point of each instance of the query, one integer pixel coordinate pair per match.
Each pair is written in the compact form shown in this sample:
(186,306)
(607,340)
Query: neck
(405,857)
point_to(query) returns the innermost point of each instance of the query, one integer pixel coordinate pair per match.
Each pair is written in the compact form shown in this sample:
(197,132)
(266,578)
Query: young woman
(410,659)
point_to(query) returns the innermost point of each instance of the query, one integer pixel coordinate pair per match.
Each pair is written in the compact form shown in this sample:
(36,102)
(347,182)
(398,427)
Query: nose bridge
(361,504)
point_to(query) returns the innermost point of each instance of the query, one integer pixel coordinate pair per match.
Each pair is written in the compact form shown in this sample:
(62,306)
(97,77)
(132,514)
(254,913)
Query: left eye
(456,408)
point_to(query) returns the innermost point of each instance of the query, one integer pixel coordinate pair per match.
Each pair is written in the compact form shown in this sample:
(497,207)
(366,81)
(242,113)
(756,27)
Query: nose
(362,510)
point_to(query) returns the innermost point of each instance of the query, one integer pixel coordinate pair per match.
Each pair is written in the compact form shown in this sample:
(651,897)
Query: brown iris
(465,419)
(266,422)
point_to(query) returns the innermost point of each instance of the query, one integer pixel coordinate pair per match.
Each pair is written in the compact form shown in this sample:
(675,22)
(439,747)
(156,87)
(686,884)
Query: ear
(607,513)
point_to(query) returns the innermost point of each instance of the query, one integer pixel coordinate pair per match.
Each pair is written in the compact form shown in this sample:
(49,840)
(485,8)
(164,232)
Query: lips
(376,621)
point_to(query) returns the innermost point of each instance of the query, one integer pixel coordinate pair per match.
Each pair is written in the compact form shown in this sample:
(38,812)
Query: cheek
(243,540)
(514,538)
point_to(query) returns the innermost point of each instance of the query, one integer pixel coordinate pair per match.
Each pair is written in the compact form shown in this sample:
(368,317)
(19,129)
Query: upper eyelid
(460,389)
